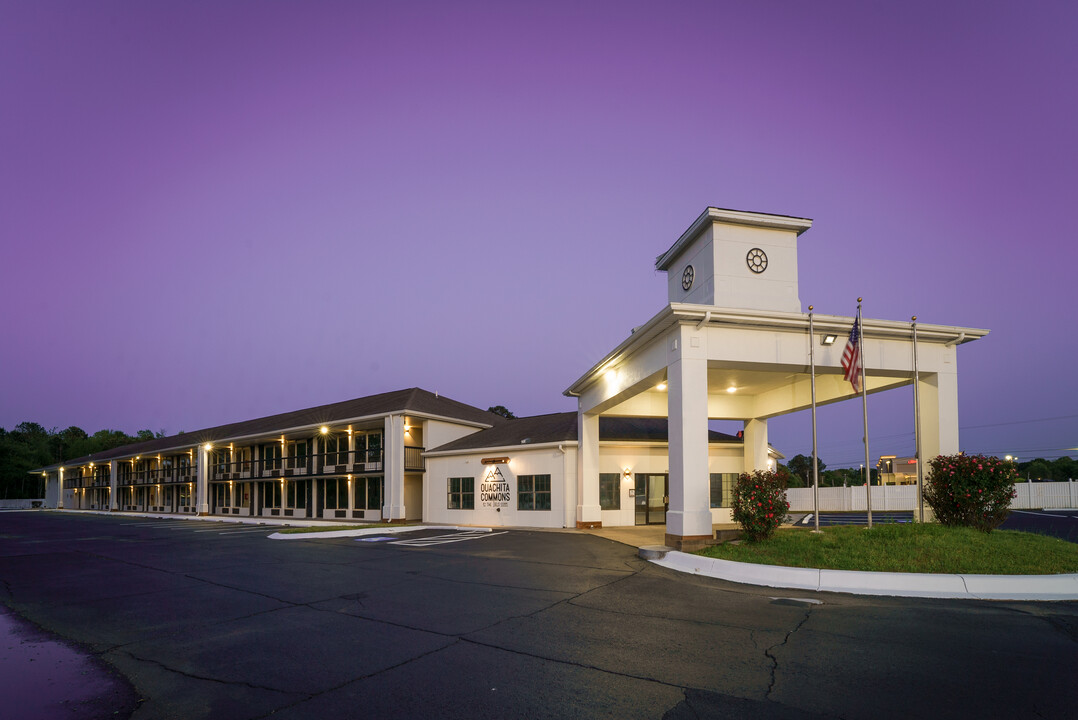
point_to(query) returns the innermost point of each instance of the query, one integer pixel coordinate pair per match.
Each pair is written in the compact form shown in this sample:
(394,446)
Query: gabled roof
(412,401)
(561,427)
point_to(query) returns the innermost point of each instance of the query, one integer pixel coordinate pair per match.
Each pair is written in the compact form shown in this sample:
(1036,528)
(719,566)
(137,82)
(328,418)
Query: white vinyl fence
(1037,495)
(21,504)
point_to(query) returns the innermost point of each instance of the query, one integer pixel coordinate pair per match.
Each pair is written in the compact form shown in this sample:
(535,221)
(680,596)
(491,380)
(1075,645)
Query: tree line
(29,445)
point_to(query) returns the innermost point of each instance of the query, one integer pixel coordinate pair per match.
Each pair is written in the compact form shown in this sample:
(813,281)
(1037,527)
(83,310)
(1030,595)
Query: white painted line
(444,539)
(361,531)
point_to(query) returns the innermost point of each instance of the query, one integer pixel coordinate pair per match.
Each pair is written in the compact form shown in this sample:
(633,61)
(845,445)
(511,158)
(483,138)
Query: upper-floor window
(335,448)
(271,456)
(298,450)
(243,459)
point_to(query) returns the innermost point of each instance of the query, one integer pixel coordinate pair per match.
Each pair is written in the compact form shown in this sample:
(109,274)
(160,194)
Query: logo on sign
(494,489)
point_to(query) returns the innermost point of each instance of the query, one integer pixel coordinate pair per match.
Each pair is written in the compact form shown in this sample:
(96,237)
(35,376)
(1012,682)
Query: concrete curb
(360,532)
(970,587)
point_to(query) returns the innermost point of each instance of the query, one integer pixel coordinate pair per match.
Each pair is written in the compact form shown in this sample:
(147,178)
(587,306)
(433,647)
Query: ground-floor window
(336,492)
(297,494)
(221,495)
(368,493)
(533,492)
(271,494)
(461,493)
(185,495)
(722,489)
(610,491)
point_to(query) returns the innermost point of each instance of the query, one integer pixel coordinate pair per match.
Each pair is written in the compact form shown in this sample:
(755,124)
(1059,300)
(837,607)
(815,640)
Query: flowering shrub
(970,490)
(760,503)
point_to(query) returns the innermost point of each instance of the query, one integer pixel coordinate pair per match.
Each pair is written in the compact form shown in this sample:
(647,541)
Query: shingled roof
(413,400)
(561,427)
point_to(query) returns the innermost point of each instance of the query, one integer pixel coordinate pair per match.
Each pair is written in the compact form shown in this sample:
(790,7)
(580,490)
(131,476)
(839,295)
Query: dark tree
(801,466)
(501,410)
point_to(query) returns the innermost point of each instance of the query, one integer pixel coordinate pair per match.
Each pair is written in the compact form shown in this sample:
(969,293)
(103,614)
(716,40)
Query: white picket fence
(1031,495)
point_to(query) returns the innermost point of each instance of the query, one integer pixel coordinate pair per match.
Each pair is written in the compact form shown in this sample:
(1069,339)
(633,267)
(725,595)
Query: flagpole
(864,409)
(815,463)
(917,425)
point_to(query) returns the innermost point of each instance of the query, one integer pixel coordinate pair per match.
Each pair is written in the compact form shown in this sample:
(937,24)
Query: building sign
(494,489)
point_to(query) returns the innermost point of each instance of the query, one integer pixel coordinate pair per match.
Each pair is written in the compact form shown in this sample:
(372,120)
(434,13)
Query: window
(722,489)
(184,462)
(533,492)
(610,491)
(374,447)
(271,456)
(271,494)
(185,495)
(336,449)
(220,495)
(297,494)
(461,492)
(374,492)
(297,454)
(245,459)
(220,462)
(336,492)
(124,473)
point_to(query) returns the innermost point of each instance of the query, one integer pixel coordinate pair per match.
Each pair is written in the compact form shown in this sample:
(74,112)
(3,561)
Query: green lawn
(927,548)
(334,528)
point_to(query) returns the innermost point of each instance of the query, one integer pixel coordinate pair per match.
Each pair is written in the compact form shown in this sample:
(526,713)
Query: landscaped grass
(918,548)
(334,528)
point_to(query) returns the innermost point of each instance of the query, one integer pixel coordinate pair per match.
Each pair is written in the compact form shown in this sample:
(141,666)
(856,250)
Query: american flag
(851,358)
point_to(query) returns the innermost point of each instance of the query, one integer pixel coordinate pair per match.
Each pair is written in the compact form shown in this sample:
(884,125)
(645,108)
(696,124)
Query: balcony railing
(413,459)
(336,463)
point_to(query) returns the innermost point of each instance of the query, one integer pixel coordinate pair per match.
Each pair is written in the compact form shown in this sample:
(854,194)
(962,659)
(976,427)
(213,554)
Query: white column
(60,488)
(755,445)
(939,415)
(202,476)
(114,481)
(689,513)
(393,447)
(588,512)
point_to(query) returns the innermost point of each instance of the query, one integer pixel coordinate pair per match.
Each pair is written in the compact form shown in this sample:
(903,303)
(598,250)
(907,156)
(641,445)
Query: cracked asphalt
(525,624)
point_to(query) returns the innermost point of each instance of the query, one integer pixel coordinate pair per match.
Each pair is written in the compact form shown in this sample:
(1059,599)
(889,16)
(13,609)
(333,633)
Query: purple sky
(215,211)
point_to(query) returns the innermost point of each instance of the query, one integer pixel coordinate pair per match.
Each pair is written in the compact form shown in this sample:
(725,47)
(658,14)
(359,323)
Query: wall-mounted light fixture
(495,461)
(828,339)
(627,474)
(324,430)
(732,389)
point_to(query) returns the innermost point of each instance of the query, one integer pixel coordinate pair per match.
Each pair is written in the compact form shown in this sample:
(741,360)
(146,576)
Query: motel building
(732,343)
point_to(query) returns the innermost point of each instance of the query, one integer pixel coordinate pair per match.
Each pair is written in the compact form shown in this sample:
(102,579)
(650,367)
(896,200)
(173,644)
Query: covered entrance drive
(733,344)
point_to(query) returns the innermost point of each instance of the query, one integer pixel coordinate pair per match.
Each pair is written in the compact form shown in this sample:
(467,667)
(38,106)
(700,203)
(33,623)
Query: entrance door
(652,498)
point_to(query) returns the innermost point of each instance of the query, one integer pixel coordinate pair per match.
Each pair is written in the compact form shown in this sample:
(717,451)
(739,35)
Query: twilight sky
(215,211)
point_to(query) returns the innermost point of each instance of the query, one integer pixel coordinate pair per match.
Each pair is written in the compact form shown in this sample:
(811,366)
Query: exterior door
(652,498)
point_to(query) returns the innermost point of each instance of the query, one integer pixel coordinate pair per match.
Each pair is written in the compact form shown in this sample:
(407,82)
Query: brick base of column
(590,525)
(688,543)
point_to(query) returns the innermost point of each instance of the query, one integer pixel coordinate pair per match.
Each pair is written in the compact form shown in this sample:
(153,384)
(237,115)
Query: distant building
(897,470)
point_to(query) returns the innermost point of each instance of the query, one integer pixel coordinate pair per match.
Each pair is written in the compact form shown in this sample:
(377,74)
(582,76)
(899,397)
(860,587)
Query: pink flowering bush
(760,503)
(970,490)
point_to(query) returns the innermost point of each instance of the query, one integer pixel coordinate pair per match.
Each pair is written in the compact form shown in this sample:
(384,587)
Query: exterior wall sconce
(627,474)
(495,461)
(828,339)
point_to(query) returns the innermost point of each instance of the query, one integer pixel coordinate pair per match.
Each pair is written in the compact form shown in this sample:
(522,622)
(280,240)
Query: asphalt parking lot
(217,621)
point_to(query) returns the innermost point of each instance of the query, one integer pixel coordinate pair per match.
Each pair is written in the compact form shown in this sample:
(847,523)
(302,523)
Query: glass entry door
(652,496)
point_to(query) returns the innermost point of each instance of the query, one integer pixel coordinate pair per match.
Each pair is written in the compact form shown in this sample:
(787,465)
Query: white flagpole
(864,408)
(917,425)
(815,463)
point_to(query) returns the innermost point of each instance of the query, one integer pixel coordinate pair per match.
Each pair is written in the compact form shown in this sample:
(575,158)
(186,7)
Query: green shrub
(970,490)
(760,503)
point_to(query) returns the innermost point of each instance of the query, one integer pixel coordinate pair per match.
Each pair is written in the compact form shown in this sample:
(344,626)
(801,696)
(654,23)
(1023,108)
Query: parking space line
(444,539)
